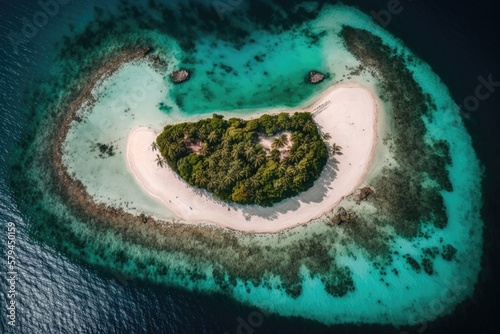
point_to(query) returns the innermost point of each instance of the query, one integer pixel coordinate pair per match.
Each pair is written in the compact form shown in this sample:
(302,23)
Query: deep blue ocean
(458,39)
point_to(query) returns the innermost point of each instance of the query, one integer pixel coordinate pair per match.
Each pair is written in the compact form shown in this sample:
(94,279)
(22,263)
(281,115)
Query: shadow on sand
(315,194)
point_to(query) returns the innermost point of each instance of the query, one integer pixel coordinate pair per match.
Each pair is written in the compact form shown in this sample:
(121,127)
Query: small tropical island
(260,172)
(114,173)
(258,161)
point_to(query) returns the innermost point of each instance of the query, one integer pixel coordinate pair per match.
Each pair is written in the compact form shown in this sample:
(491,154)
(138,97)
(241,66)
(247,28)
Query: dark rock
(448,252)
(364,193)
(226,68)
(179,76)
(316,77)
(144,219)
(412,262)
(341,216)
(427,264)
(431,252)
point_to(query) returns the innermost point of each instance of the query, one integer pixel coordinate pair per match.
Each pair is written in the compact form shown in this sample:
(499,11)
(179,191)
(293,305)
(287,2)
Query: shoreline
(73,190)
(348,111)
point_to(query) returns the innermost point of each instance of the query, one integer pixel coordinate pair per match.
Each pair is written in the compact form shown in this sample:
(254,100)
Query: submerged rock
(316,77)
(341,216)
(364,193)
(179,75)
(143,218)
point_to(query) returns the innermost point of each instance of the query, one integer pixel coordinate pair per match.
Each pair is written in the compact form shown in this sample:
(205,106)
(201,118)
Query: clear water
(405,298)
(226,78)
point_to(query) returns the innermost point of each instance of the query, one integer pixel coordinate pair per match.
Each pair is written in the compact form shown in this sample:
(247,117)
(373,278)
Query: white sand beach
(348,112)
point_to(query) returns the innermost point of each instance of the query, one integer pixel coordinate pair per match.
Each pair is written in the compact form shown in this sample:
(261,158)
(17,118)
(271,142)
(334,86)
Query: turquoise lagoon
(265,71)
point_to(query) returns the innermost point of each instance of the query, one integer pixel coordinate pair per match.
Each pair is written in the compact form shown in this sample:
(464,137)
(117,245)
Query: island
(392,223)
(174,166)
(259,161)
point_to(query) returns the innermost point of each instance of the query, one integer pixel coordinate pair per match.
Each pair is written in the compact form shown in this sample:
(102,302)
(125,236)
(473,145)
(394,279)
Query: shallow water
(423,294)
(230,78)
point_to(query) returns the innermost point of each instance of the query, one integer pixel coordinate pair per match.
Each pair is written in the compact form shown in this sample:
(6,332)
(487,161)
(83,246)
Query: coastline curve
(347,111)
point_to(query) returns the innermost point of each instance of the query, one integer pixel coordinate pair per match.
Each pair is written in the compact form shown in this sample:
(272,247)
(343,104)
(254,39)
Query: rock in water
(179,75)
(341,216)
(364,193)
(316,77)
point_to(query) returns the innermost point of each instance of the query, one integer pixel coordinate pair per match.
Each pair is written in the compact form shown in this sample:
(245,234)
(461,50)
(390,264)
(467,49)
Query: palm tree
(160,162)
(221,185)
(249,152)
(230,177)
(281,168)
(259,196)
(226,138)
(172,150)
(326,136)
(211,162)
(259,159)
(189,132)
(309,126)
(284,138)
(212,136)
(276,155)
(181,142)
(293,156)
(176,133)
(154,146)
(278,142)
(246,171)
(212,185)
(297,122)
(255,182)
(204,149)
(301,177)
(336,149)
(241,174)
(164,142)
(227,180)
(302,166)
(287,181)
(267,173)
(200,177)
(203,133)
(225,153)
(235,153)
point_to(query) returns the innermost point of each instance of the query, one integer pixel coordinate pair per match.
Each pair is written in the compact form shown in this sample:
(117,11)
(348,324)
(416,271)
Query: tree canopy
(225,157)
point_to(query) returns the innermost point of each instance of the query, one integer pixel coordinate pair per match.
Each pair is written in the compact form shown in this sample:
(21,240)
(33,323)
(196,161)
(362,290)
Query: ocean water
(53,288)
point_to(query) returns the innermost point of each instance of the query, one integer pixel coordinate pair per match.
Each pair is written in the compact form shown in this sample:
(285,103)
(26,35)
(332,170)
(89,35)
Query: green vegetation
(226,158)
